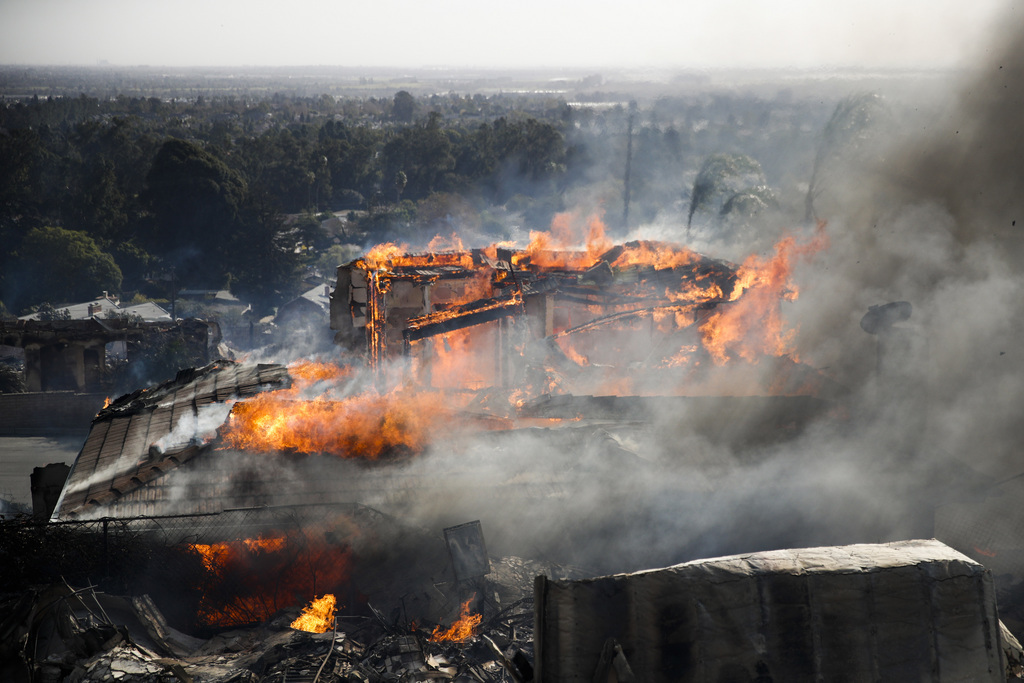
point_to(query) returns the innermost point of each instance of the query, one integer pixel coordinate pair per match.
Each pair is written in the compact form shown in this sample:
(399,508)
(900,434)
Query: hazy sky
(519,33)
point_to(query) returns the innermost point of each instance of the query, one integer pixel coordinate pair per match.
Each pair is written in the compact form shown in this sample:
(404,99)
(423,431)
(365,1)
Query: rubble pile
(86,636)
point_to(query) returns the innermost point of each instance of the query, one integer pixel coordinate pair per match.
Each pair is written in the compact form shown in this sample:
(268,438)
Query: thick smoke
(926,214)
(920,414)
(932,221)
(197,427)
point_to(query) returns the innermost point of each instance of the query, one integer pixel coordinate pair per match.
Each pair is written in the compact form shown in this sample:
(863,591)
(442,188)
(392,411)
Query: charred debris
(171,604)
(193,527)
(788,615)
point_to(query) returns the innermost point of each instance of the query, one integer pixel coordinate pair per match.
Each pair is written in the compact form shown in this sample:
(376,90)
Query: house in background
(108,306)
(207,303)
(304,322)
(220,307)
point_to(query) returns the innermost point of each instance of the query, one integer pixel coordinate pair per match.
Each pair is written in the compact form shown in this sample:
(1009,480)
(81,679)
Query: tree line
(139,194)
(137,185)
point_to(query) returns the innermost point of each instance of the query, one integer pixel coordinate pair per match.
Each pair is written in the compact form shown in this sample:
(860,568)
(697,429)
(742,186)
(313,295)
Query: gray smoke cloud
(922,210)
(932,220)
(925,212)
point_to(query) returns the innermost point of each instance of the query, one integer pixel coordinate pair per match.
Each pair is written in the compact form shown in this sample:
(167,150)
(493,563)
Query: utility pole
(629,162)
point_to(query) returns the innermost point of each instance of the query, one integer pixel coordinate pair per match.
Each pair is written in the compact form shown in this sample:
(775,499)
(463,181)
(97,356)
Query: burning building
(498,379)
(491,339)
(640,318)
(538,385)
(139,440)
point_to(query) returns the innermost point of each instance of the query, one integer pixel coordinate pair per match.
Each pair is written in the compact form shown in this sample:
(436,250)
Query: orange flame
(309,372)
(272,545)
(248,581)
(106,402)
(367,425)
(658,255)
(389,256)
(752,324)
(462,630)
(449,251)
(385,255)
(554,249)
(570,351)
(318,616)
(457,360)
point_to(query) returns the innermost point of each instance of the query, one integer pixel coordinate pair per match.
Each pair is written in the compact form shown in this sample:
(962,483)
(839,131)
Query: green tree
(23,158)
(335,255)
(99,207)
(403,107)
(265,256)
(720,177)
(424,153)
(443,213)
(48,313)
(846,137)
(134,262)
(401,180)
(196,201)
(62,265)
(513,157)
(350,153)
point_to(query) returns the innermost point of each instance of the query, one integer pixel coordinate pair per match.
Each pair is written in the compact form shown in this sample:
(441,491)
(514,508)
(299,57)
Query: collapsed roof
(133,441)
(627,308)
(385,302)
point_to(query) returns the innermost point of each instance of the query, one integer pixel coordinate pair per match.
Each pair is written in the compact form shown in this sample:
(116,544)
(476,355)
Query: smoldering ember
(513,467)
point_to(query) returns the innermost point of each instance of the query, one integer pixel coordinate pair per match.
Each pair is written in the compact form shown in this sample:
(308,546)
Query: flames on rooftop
(458,343)
(477,334)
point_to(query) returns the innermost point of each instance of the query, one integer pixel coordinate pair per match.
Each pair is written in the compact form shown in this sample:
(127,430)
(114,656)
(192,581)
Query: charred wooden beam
(638,313)
(376,317)
(477,313)
(599,273)
(593,297)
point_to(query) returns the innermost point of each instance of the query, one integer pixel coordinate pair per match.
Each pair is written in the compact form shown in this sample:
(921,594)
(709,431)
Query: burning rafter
(475,313)
(619,316)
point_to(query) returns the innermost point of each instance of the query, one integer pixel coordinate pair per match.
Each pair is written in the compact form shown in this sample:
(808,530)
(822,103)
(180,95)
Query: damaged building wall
(906,611)
(70,355)
(385,307)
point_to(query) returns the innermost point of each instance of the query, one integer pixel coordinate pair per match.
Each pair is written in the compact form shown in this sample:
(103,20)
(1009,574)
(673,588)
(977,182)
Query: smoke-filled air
(623,321)
(883,313)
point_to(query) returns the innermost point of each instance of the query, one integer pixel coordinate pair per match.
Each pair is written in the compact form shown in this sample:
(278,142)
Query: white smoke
(195,428)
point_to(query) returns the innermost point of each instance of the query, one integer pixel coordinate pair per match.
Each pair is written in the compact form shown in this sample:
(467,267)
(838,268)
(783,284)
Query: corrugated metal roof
(129,443)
